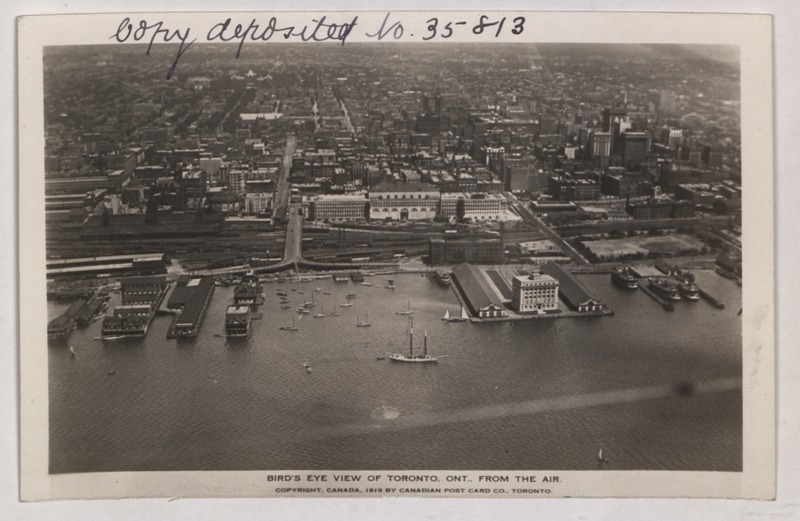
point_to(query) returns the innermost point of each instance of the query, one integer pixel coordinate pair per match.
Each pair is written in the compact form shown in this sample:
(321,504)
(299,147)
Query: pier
(667,305)
(705,295)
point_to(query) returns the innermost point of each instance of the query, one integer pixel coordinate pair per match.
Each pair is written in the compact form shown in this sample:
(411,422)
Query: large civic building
(336,207)
(409,201)
(535,293)
(481,207)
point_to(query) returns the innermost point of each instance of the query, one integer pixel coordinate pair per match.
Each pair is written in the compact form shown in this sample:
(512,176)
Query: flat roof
(252,116)
(193,309)
(103,259)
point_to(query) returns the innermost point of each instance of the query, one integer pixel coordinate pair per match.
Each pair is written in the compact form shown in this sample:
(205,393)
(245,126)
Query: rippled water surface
(542,394)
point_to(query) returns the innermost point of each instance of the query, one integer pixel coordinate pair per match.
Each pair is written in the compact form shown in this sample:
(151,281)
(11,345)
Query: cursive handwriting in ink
(321,32)
(396,29)
(154,31)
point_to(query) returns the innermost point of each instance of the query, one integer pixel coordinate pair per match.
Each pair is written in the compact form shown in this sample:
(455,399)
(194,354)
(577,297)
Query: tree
(367,209)
(106,216)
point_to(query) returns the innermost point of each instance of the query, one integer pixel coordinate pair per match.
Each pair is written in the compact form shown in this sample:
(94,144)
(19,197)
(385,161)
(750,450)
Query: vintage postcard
(407,254)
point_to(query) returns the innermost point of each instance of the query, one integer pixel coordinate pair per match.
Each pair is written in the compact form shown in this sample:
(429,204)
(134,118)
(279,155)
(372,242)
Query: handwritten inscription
(319,29)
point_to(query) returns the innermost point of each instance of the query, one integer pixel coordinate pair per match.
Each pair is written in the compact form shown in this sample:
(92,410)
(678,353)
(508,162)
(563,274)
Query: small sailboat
(366,321)
(290,328)
(407,311)
(600,457)
(304,311)
(310,304)
(321,313)
(335,313)
(453,318)
(346,305)
(366,284)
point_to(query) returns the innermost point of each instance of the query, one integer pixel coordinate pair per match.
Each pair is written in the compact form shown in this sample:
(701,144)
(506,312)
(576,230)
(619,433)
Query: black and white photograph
(414,254)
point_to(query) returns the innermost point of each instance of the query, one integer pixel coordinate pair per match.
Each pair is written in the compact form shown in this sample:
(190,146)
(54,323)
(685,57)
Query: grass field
(661,245)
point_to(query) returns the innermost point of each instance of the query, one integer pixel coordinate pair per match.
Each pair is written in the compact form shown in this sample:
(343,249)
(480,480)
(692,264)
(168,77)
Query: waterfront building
(537,293)
(479,251)
(478,293)
(237,321)
(60,327)
(571,289)
(197,294)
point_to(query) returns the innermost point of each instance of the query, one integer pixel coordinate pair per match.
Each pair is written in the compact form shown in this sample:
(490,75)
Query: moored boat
(664,289)
(689,291)
(407,311)
(441,277)
(366,321)
(624,278)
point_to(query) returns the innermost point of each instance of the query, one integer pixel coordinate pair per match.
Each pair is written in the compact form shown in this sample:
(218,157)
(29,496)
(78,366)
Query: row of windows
(387,210)
(403,196)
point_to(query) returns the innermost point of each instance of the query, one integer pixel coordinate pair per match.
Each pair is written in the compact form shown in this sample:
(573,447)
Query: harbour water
(656,390)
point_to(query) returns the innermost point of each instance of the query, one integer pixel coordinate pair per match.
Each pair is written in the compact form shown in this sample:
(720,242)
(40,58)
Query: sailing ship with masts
(408,310)
(366,323)
(410,356)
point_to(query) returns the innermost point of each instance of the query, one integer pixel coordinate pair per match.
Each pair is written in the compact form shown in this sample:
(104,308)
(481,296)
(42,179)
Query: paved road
(292,249)
(284,186)
(525,212)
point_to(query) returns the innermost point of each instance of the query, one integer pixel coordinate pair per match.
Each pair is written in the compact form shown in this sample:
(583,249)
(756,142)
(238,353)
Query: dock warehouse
(571,289)
(480,297)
